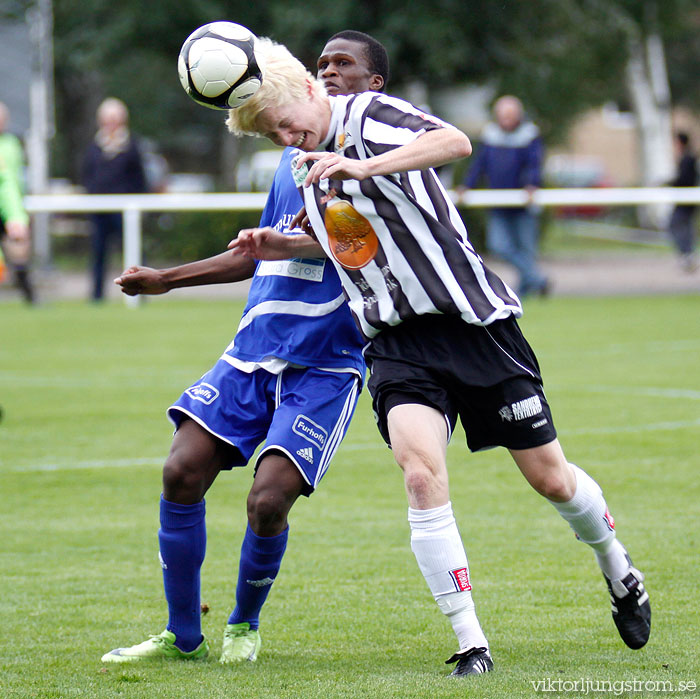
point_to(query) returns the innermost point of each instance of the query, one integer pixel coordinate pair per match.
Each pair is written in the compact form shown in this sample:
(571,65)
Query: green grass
(84,390)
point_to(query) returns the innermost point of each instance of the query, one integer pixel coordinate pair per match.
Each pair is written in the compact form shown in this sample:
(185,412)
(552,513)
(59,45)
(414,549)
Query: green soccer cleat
(160,646)
(240,643)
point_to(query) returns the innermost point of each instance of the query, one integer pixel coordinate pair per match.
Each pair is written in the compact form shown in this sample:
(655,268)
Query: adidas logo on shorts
(306,453)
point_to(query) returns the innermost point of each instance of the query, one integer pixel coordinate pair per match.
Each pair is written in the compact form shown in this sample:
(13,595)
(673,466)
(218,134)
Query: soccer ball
(218,67)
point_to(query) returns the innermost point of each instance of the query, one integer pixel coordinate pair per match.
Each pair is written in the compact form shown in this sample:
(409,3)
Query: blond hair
(285,80)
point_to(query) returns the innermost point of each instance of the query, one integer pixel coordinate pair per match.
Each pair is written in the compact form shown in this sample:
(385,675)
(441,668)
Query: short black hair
(376,53)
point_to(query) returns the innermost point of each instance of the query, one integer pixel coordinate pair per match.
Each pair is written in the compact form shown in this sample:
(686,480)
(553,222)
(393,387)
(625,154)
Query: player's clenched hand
(332,165)
(18,245)
(17,231)
(141,280)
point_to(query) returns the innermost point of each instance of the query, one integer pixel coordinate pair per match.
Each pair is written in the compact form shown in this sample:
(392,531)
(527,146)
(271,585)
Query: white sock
(587,514)
(438,548)
(612,559)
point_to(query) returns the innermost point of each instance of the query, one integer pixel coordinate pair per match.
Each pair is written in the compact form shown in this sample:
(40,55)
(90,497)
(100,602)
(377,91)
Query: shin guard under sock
(183,540)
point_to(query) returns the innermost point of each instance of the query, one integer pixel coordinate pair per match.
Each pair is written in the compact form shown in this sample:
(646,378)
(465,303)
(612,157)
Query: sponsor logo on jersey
(204,392)
(522,410)
(352,240)
(261,583)
(283,223)
(298,174)
(308,270)
(306,453)
(310,431)
(506,414)
(460,577)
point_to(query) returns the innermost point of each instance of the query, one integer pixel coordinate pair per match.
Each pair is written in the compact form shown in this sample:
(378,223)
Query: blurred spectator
(510,157)
(113,164)
(14,222)
(681,226)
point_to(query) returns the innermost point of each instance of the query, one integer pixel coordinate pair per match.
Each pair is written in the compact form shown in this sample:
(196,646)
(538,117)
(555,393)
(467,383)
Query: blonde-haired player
(443,337)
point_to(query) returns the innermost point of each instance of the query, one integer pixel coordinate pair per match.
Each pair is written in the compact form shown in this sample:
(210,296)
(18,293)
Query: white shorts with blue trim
(302,412)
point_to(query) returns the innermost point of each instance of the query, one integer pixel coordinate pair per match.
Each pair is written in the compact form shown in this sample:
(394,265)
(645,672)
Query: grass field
(84,390)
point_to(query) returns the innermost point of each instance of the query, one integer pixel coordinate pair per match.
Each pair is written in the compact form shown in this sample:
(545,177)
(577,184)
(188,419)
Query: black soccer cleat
(631,610)
(474,661)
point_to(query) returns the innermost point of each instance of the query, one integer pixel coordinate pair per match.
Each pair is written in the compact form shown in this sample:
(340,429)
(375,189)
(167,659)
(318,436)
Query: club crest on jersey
(460,577)
(342,141)
(204,392)
(310,431)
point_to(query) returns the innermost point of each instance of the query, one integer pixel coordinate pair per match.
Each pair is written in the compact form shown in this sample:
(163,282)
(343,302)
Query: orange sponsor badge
(352,239)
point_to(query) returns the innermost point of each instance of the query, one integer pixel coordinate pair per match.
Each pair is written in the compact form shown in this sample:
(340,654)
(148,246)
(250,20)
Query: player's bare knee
(421,482)
(553,486)
(412,458)
(267,511)
(181,480)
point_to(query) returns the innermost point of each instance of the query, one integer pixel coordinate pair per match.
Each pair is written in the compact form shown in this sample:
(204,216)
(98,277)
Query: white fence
(133,205)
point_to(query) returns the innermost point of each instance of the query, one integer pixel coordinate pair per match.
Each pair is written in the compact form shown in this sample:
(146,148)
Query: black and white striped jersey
(398,242)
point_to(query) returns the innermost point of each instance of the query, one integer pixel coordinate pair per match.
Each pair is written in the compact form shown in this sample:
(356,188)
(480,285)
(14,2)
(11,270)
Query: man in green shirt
(14,221)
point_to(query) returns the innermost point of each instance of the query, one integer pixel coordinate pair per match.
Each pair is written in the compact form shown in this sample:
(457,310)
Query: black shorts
(487,376)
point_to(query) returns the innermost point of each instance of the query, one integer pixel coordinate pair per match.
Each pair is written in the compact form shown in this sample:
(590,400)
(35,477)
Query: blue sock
(183,542)
(261,558)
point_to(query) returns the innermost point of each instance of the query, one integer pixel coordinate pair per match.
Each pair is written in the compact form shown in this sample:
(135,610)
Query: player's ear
(376,82)
(309,88)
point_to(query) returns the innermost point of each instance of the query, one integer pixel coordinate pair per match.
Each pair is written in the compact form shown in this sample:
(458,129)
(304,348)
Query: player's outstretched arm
(431,149)
(269,244)
(220,269)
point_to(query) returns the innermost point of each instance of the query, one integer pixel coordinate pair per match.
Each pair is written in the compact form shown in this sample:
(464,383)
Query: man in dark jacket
(510,157)
(112,165)
(681,226)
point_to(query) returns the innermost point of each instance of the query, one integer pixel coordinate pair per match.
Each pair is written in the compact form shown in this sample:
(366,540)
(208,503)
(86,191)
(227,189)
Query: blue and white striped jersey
(296,308)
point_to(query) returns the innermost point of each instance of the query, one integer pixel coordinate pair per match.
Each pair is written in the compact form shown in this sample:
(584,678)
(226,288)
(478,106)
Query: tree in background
(648,27)
(560,56)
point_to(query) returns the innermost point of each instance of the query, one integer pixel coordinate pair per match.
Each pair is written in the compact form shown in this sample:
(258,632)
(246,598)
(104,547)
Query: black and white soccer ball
(218,67)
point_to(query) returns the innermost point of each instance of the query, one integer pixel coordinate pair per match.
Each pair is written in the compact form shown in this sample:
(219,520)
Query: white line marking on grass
(129,380)
(364,446)
(688,393)
(653,427)
(127,463)
(8,379)
(652,346)
(104,463)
